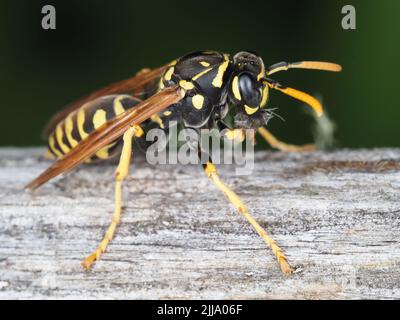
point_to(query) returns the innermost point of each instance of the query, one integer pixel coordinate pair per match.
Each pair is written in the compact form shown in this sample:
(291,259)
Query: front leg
(238,135)
(234,199)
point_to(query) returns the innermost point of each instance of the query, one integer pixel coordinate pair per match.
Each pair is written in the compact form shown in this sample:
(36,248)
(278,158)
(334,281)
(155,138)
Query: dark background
(98,42)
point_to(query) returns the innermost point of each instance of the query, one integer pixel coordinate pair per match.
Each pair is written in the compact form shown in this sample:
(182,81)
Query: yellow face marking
(167,113)
(201,74)
(156,118)
(204,63)
(118,107)
(53,147)
(217,82)
(262,72)
(187,85)
(169,73)
(69,126)
(264,99)
(235,88)
(81,122)
(99,118)
(250,110)
(198,101)
(59,137)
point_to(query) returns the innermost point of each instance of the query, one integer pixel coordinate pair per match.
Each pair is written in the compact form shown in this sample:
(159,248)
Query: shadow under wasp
(197,90)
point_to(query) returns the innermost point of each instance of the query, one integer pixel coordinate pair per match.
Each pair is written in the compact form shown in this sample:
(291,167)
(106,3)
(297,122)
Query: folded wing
(109,132)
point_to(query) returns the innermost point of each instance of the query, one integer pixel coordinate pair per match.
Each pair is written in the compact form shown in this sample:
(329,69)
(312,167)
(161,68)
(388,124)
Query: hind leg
(120,174)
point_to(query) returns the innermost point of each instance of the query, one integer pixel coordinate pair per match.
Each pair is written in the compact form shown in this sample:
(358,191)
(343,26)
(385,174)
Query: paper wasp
(197,90)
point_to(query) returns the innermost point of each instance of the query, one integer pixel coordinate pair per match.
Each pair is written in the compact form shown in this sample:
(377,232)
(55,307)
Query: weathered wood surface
(336,214)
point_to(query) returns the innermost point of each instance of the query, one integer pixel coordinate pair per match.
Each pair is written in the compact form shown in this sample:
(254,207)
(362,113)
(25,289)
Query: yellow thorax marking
(235,88)
(217,82)
(201,73)
(198,101)
(156,118)
(169,73)
(167,113)
(187,85)
(161,84)
(59,137)
(117,105)
(205,63)
(250,110)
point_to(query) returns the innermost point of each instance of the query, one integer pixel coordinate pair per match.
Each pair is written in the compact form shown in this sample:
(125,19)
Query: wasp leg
(120,173)
(211,172)
(282,146)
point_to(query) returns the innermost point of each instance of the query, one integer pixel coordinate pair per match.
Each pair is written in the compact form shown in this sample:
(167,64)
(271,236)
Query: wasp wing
(109,132)
(131,86)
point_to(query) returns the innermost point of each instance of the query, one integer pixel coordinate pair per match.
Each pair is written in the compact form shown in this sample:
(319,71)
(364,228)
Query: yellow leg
(211,172)
(120,173)
(275,143)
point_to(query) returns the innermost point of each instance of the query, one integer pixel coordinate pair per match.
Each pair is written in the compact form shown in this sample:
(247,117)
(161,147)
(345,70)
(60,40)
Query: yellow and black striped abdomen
(78,125)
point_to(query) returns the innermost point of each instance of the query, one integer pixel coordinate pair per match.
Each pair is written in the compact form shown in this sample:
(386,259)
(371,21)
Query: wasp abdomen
(78,125)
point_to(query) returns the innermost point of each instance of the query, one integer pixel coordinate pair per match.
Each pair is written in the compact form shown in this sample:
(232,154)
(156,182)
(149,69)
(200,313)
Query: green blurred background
(98,42)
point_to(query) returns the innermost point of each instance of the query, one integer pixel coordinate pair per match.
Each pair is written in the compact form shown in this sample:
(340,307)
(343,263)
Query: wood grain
(336,214)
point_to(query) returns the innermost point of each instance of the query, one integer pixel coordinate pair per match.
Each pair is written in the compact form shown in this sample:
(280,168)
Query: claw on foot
(88,262)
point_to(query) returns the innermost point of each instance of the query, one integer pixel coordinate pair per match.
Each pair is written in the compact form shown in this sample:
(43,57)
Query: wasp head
(248,92)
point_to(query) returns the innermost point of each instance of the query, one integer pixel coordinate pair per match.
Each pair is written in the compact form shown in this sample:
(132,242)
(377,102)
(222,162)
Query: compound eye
(249,90)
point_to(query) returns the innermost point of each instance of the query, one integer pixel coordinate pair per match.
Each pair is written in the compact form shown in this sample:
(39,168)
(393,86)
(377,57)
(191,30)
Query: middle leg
(282,146)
